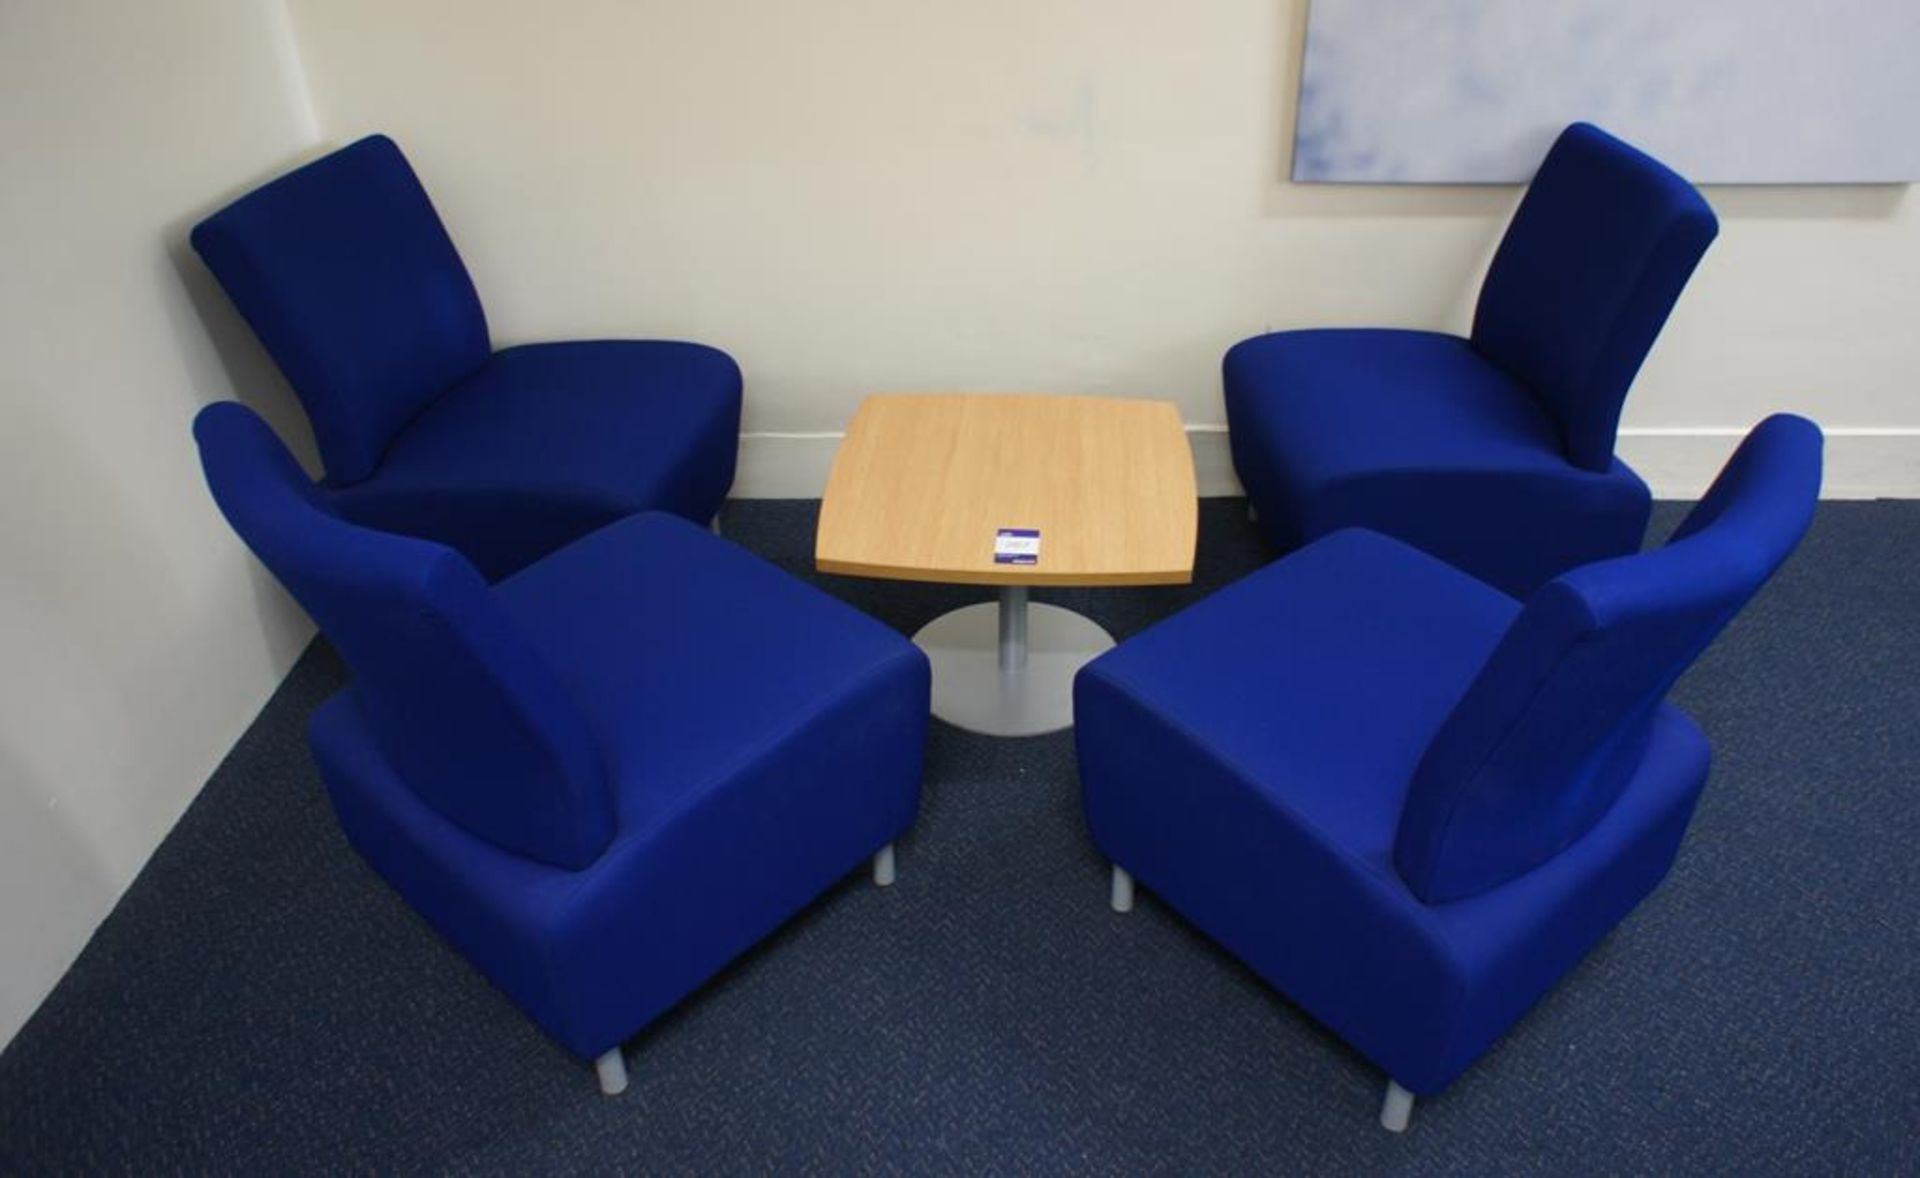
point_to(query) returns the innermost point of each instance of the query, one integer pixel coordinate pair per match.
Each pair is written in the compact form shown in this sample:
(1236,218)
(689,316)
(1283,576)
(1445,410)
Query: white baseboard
(784,465)
(1677,463)
(1860,463)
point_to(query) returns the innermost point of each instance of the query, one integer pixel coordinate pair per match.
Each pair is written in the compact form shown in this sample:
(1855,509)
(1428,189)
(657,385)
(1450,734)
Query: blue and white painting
(1725,91)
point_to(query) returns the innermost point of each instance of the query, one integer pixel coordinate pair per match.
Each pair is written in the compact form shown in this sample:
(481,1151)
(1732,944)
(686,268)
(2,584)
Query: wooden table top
(924,482)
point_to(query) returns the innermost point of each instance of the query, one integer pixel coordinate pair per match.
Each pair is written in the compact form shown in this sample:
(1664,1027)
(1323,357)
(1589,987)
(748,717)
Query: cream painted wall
(1076,195)
(140,637)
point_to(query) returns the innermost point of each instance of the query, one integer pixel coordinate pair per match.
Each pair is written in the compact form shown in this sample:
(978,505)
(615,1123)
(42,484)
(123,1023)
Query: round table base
(969,646)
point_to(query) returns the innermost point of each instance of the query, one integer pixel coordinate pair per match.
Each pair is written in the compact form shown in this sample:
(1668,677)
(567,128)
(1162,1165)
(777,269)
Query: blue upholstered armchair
(1495,452)
(606,776)
(1407,800)
(346,274)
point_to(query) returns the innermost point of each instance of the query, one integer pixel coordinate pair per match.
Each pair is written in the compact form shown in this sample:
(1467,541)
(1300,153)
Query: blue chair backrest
(1600,248)
(348,277)
(459,703)
(1556,722)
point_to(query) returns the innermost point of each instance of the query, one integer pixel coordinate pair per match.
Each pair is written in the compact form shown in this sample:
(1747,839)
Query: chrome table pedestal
(1006,668)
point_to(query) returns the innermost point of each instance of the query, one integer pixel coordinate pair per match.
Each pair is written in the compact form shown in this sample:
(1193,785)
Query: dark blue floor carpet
(260,1003)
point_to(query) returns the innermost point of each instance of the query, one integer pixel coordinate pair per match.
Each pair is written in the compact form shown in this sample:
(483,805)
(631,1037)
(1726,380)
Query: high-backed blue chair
(346,274)
(1495,452)
(605,777)
(1405,799)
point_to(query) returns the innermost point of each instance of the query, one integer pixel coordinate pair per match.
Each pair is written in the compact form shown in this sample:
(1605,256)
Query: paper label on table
(1017,546)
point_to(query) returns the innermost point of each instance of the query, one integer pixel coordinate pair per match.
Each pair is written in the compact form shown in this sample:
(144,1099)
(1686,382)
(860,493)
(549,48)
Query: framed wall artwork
(1725,91)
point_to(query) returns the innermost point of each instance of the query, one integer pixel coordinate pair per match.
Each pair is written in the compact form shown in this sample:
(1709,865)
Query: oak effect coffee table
(1011,490)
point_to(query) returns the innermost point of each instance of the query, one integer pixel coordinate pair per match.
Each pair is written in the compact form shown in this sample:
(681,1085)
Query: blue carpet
(260,1003)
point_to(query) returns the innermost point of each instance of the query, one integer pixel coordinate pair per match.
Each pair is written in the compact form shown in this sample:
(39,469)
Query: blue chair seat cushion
(1351,617)
(1414,434)
(546,442)
(1380,399)
(761,738)
(1263,805)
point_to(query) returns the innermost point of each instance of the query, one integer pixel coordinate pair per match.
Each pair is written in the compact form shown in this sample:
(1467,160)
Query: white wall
(139,637)
(1070,195)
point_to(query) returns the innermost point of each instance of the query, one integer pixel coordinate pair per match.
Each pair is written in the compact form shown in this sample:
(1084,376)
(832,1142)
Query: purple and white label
(1017,546)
